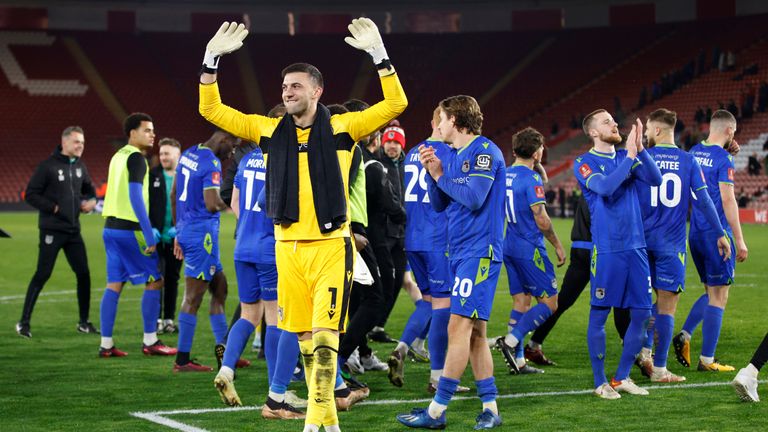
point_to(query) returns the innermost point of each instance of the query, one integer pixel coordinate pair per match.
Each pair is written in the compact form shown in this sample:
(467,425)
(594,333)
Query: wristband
(211,60)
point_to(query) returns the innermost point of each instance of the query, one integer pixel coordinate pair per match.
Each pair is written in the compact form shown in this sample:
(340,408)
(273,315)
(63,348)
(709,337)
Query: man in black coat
(161,180)
(61,189)
(388,232)
(384,204)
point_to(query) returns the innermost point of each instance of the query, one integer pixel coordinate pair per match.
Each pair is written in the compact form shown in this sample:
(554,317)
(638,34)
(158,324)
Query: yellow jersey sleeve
(361,124)
(251,127)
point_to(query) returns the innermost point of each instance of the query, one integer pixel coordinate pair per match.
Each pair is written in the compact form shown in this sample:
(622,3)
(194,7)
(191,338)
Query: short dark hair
(314,73)
(133,121)
(69,129)
(466,112)
(663,115)
(337,109)
(527,142)
(587,122)
(277,111)
(356,105)
(169,142)
(723,116)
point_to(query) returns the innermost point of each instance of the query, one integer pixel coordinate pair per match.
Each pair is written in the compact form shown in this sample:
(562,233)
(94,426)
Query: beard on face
(611,138)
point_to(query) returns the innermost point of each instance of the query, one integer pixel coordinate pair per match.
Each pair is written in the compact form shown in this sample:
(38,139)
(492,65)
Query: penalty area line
(159,417)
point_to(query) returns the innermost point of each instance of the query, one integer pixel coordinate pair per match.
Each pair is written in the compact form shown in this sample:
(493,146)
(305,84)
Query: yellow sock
(321,408)
(306,347)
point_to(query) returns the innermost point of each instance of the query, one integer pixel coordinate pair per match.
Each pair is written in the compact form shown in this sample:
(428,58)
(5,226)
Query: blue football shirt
(426,229)
(524,190)
(198,169)
(617,223)
(665,207)
(255,242)
(476,233)
(717,165)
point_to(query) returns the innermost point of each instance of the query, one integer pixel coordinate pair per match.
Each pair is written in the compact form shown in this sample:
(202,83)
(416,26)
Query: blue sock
(271,340)
(187,324)
(514,317)
(446,387)
(339,379)
(150,309)
(710,330)
(287,353)
(425,332)
(596,342)
(696,315)
(665,326)
(633,341)
(531,321)
(219,327)
(438,337)
(238,337)
(486,390)
(417,322)
(648,341)
(108,311)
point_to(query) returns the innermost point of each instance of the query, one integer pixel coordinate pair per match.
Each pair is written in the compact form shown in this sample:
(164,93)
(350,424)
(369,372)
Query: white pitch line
(42,294)
(173,424)
(159,417)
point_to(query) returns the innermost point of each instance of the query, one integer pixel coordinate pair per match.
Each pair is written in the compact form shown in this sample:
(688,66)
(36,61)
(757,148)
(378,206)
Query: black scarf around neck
(282,186)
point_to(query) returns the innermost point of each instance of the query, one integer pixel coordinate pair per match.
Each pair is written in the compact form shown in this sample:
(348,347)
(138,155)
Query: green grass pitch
(55,382)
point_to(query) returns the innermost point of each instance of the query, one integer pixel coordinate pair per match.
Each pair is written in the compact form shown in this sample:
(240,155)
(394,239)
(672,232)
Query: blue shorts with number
(199,241)
(256,281)
(713,271)
(621,279)
(667,270)
(432,273)
(126,260)
(534,276)
(474,285)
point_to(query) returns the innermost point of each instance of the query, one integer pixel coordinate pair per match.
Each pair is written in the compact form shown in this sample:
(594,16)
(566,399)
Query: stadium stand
(523,78)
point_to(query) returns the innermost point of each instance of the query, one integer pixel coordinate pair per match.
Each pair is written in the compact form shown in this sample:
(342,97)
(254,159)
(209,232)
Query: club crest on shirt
(61,175)
(483,162)
(585,170)
(78,172)
(48,239)
(465,166)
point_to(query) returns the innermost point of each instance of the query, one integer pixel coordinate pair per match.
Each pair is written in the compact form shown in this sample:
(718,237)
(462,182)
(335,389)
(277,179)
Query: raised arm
(366,37)
(647,170)
(604,185)
(229,38)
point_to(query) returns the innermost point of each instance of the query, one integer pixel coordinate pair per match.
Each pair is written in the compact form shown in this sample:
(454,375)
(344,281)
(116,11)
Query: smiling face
(169,157)
(300,93)
(73,144)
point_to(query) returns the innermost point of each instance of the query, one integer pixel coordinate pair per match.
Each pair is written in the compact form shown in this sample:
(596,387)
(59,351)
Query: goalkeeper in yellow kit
(308,153)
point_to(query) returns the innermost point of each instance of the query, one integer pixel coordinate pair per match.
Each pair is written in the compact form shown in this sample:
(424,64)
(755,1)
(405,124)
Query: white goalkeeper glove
(366,37)
(229,38)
